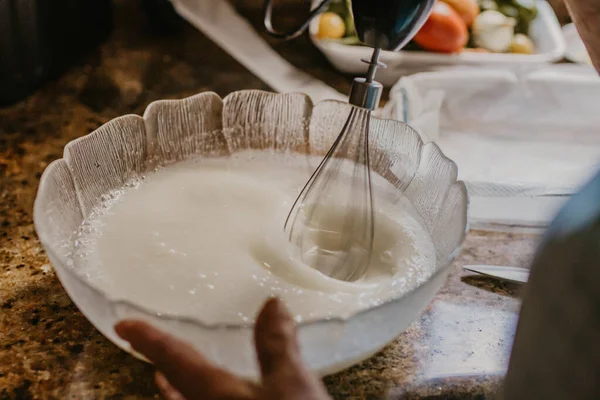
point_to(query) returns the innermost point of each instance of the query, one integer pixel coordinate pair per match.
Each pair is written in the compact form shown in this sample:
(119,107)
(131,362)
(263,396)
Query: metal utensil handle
(268,21)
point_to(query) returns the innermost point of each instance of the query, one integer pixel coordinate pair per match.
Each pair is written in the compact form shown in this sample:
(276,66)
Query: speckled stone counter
(457,349)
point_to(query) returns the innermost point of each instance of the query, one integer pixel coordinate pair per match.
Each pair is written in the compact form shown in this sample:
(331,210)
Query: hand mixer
(332,220)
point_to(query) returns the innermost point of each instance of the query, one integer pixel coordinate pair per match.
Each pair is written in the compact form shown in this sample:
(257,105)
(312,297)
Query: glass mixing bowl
(207,126)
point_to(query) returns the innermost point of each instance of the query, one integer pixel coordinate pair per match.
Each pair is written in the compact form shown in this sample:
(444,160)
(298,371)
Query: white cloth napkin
(511,134)
(522,141)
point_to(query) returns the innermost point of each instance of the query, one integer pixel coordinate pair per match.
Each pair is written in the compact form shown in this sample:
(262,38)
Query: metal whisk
(332,220)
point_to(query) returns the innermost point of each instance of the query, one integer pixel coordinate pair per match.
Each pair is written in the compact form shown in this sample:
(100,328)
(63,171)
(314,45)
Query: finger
(275,338)
(283,372)
(185,369)
(168,391)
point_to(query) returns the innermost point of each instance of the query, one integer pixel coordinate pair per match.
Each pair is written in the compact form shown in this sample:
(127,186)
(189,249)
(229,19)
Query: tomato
(444,31)
(467,9)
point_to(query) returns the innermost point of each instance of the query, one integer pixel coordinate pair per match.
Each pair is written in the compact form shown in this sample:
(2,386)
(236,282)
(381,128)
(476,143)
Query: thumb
(283,372)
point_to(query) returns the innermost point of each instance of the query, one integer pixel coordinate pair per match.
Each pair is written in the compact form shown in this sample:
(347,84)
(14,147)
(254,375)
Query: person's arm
(586,16)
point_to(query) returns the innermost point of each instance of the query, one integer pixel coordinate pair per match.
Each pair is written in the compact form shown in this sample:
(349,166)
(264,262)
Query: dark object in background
(162,17)
(40,39)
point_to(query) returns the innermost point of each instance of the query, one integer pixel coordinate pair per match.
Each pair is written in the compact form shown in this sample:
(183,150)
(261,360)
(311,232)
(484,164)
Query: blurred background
(130,48)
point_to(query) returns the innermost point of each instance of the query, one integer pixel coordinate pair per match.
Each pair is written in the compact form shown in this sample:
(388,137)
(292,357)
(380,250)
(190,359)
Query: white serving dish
(206,125)
(545,33)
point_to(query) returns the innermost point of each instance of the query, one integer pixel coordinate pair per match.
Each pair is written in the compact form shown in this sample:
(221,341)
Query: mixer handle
(268,21)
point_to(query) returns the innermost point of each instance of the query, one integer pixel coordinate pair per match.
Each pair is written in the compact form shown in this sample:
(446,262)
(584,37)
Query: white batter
(205,239)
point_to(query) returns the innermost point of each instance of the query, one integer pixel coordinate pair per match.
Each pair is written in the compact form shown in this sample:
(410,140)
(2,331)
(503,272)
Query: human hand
(184,374)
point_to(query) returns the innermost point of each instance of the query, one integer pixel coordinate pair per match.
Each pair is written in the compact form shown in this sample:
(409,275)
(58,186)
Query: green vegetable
(349,18)
(527,13)
(350,40)
(338,7)
(344,9)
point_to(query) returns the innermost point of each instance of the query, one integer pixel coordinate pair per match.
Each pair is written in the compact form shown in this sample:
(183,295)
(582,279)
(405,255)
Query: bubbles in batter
(205,239)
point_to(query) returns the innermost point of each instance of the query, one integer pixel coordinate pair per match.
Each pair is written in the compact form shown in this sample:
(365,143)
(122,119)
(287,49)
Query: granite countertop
(457,349)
